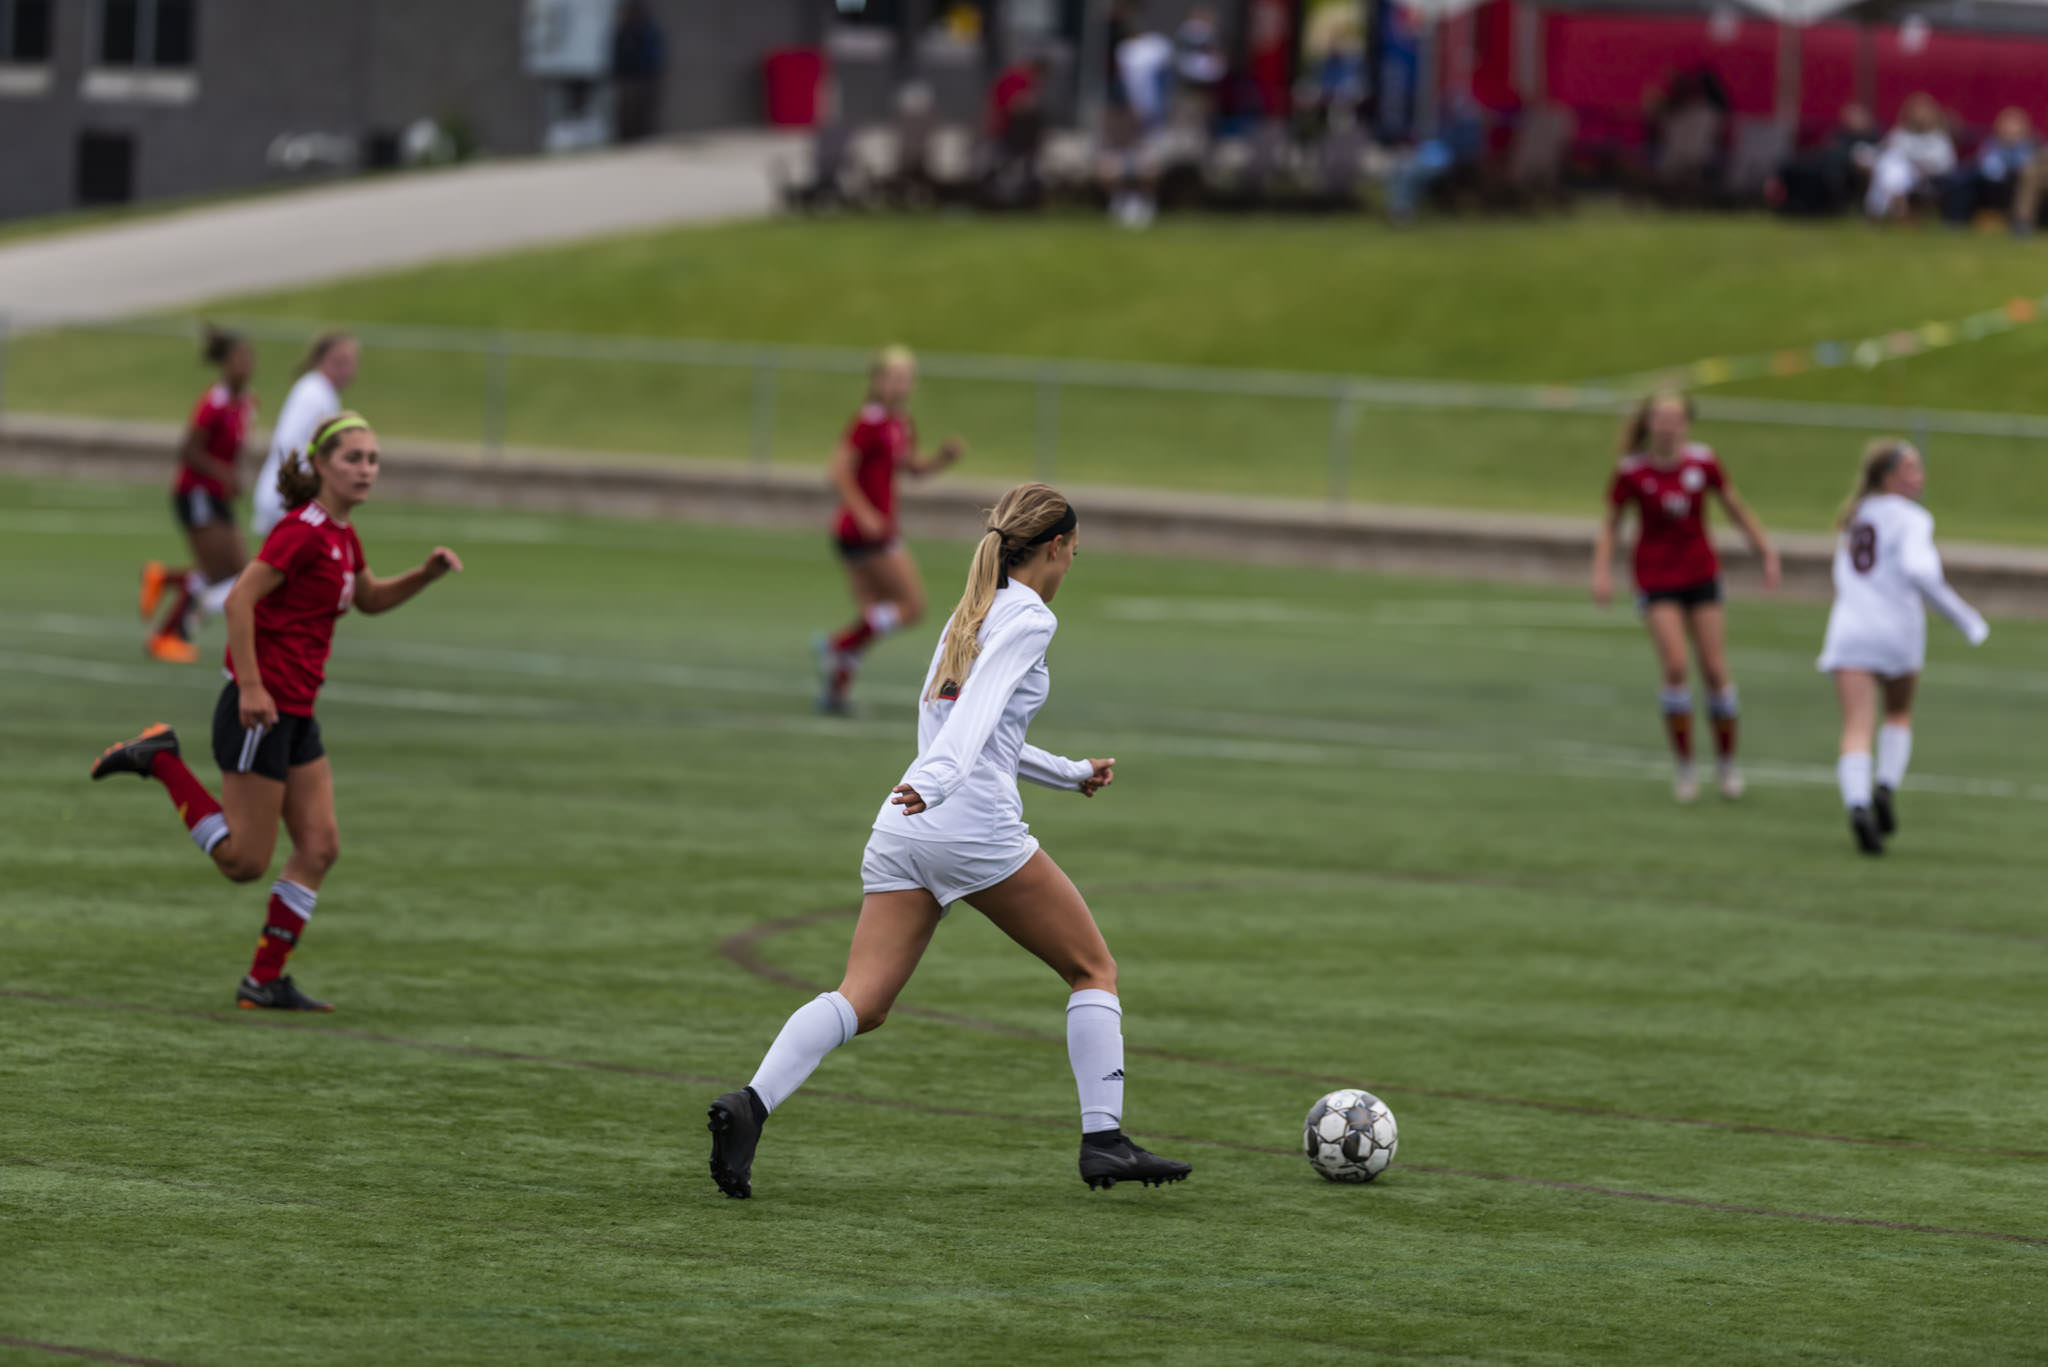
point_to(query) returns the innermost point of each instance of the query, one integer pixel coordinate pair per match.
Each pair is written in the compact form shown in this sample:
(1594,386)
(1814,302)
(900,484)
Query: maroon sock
(854,639)
(196,807)
(282,927)
(1724,737)
(1679,724)
(172,623)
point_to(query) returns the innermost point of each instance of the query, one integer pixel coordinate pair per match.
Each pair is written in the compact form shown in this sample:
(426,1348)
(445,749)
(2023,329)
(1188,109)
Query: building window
(25,31)
(148,33)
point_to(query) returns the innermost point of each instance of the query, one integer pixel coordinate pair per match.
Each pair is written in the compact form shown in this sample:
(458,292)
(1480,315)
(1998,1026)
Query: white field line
(1561,759)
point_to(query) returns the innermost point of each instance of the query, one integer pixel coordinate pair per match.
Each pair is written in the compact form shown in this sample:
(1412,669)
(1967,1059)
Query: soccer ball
(1350,1136)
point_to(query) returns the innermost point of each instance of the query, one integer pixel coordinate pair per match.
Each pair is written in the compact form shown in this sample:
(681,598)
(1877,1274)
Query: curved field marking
(742,950)
(72,1350)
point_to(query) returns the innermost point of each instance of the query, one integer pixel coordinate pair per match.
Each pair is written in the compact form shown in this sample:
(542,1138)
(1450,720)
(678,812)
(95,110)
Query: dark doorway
(106,168)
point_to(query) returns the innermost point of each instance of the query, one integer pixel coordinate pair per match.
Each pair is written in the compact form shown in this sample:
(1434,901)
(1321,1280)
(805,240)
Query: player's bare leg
(316,843)
(888,941)
(1708,626)
(1856,690)
(1040,908)
(1666,623)
(1894,749)
(889,596)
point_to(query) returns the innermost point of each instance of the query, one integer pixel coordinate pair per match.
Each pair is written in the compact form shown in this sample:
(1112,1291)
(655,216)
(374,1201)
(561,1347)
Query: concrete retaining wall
(1513,548)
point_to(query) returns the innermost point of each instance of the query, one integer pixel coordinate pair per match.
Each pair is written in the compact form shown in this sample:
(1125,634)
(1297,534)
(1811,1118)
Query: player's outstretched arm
(1754,530)
(257,580)
(1047,770)
(381,595)
(1922,564)
(950,450)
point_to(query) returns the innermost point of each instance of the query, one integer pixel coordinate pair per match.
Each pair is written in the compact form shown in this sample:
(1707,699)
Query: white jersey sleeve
(1922,565)
(1005,658)
(1048,770)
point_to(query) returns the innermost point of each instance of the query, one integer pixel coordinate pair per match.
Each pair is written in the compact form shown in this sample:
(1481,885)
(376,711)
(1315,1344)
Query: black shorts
(269,751)
(1691,596)
(850,551)
(197,508)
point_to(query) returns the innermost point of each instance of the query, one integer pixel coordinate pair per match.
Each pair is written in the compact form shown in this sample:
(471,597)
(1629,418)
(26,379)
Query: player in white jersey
(953,830)
(329,367)
(1885,566)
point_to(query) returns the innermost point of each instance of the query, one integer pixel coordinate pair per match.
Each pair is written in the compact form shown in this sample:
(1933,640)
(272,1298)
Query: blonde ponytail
(1880,458)
(1026,518)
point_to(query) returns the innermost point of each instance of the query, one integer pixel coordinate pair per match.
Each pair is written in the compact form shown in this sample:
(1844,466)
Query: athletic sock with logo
(1677,707)
(1894,751)
(1852,775)
(1726,708)
(813,1030)
(196,807)
(1095,1048)
(291,906)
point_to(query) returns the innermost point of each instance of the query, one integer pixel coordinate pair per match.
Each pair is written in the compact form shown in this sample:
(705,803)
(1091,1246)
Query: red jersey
(881,441)
(320,559)
(1673,550)
(222,419)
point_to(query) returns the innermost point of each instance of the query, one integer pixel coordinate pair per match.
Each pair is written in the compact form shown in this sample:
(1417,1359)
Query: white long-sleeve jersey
(1885,567)
(311,401)
(971,749)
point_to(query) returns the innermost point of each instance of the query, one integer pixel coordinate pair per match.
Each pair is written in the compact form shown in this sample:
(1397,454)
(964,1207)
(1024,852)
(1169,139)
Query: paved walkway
(384,223)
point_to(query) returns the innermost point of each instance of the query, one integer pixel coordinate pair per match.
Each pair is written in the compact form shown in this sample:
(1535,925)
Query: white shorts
(948,870)
(1887,654)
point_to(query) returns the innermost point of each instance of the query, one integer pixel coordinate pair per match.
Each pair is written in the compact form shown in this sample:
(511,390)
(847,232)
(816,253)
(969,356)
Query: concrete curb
(1509,547)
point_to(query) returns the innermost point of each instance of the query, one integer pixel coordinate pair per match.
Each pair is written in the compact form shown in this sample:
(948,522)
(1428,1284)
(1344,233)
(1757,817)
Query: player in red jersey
(202,497)
(1666,479)
(880,441)
(272,765)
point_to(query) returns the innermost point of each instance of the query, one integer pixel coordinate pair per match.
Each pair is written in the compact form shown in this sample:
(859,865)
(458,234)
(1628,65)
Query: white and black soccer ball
(1350,1136)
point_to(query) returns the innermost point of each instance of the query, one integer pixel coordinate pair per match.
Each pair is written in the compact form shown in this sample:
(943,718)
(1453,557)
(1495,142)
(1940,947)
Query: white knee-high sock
(883,618)
(1852,772)
(1095,1047)
(814,1030)
(214,600)
(1894,750)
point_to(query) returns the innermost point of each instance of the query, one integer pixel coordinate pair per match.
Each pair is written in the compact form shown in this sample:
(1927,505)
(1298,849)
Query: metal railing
(1103,422)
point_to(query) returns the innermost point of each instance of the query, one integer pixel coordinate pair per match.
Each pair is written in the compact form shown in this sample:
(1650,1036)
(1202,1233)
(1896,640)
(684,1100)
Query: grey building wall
(351,69)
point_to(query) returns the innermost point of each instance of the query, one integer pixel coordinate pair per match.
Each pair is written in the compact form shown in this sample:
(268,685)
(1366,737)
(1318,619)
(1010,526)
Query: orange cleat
(171,648)
(154,577)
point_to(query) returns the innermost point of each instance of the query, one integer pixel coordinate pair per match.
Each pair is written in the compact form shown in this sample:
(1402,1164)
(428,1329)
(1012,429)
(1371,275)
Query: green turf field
(1510,300)
(1674,1085)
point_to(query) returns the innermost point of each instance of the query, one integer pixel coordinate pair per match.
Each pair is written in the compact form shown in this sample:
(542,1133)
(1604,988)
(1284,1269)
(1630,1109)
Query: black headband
(1068,521)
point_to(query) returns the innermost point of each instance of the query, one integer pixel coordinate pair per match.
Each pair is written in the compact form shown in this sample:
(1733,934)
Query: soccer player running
(281,618)
(1885,564)
(1666,479)
(953,830)
(315,397)
(886,589)
(202,498)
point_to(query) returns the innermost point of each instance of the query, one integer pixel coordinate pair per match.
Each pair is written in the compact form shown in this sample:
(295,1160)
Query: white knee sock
(1894,749)
(1852,772)
(883,618)
(816,1028)
(214,600)
(1095,1047)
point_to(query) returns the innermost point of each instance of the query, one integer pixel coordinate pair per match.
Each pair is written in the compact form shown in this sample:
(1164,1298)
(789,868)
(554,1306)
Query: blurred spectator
(2004,177)
(1199,67)
(1687,118)
(1460,146)
(1016,126)
(1117,26)
(1825,179)
(913,129)
(639,61)
(1144,64)
(1911,159)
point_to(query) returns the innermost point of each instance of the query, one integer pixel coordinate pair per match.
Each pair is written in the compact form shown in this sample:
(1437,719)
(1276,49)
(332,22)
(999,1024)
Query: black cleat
(735,1133)
(1106,1164)
(137,756)
(1881,804)
(279,994)
(1863,825)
